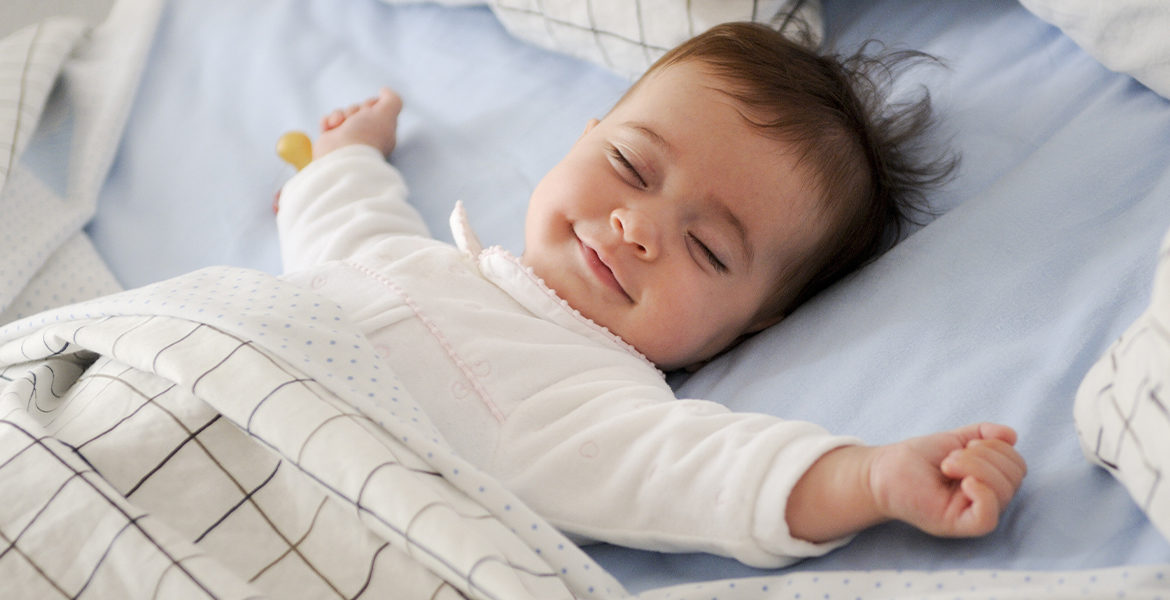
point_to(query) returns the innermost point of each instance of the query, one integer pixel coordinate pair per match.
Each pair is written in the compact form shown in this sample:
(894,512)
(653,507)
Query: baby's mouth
(602,270)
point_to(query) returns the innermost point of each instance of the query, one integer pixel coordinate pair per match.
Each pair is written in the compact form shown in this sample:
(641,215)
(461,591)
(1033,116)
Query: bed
(142,151)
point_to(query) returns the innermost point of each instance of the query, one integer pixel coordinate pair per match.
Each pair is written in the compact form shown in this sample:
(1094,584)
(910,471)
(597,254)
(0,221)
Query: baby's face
(670,221)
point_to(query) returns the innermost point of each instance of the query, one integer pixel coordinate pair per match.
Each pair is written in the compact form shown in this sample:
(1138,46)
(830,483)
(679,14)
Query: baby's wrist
(869,507)
(325,146)
(835,497)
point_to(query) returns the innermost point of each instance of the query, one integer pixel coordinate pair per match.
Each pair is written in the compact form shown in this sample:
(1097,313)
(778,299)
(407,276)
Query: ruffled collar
(506,271)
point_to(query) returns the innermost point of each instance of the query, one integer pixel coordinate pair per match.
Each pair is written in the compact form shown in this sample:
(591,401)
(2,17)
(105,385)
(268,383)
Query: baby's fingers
(332,120)
(387,100)
(981,516)
(993,462)
(995,431)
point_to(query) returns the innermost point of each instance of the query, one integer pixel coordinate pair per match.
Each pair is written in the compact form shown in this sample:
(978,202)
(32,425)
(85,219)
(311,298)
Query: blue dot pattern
(271,389)
(1147,582)
(277,393)
(47,258)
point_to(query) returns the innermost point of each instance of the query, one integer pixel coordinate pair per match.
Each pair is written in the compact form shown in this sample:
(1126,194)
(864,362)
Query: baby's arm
(952,484)
(349,200)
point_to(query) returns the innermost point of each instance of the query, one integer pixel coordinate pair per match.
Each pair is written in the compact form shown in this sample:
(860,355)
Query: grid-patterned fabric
(29,63)
(65,90)
(627,36)
(226,434)
(33,57)
(1123,404)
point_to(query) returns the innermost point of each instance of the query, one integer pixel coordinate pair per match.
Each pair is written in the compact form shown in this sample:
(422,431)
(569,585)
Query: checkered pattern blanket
(1123,405)
(226,434)
(627,36)
(65,90)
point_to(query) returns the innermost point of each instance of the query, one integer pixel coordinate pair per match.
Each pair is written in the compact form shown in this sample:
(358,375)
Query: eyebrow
(722,207)
(650,134)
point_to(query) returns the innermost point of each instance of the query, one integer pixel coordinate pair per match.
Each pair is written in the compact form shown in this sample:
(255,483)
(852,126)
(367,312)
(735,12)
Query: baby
(739,176)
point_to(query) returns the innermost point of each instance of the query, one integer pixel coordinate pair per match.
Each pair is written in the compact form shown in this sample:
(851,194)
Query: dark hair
(862,150)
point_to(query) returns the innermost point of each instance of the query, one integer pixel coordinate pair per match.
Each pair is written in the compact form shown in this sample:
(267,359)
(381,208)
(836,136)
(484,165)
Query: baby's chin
(666,357)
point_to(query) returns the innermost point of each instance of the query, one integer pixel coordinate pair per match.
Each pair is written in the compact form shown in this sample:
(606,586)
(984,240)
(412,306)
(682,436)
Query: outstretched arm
(952,484)
(349,200)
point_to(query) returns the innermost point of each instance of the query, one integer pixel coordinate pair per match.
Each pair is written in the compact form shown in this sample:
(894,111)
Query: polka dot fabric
(56,148)
(35,219)
(1131,582)
(71,274)
(237,409)
(238,418)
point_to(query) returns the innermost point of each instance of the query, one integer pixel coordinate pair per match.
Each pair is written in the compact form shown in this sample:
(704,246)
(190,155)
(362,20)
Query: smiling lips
(601,270)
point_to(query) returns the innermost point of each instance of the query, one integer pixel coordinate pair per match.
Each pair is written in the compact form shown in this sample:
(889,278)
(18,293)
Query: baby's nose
(637,229)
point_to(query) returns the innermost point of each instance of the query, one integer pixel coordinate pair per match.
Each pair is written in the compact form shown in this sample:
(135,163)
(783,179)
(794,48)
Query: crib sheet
(1042,255)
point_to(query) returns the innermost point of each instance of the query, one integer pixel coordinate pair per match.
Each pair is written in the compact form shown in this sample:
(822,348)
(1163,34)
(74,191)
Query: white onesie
(571,418)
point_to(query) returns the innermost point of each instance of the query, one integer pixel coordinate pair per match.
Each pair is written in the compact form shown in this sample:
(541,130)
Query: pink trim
(564,304)
(438,335)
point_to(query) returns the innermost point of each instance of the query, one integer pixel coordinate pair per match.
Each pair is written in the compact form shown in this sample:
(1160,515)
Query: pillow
(1122,408)
(1130,36)
(627,36)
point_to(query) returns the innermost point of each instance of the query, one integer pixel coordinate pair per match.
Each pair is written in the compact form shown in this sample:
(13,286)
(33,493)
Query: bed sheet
(1043,253)
(996,309)
(485,117)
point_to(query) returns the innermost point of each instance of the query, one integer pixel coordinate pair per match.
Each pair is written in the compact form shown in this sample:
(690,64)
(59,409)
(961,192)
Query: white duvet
(1123,405)
(75,82)
(1129,36)
(227,434)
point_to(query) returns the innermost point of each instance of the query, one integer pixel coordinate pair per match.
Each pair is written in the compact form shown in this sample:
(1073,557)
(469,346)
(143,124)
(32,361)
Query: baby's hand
(952,484)
(373,123)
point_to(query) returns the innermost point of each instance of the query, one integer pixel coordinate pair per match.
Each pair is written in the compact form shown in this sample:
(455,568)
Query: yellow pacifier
(295,148)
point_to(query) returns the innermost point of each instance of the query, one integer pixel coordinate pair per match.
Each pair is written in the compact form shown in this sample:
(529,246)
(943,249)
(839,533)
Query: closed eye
(708,254)
(625,165)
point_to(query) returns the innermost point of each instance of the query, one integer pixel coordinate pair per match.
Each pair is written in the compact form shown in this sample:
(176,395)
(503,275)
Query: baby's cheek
(678,338)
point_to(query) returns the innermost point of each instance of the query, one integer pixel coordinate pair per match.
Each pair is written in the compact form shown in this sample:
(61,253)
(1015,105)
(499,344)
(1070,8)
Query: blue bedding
(1042,253)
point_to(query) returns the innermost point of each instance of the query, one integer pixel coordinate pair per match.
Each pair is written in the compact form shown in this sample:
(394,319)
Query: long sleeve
(580,428)
(343,204)
(633,466)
